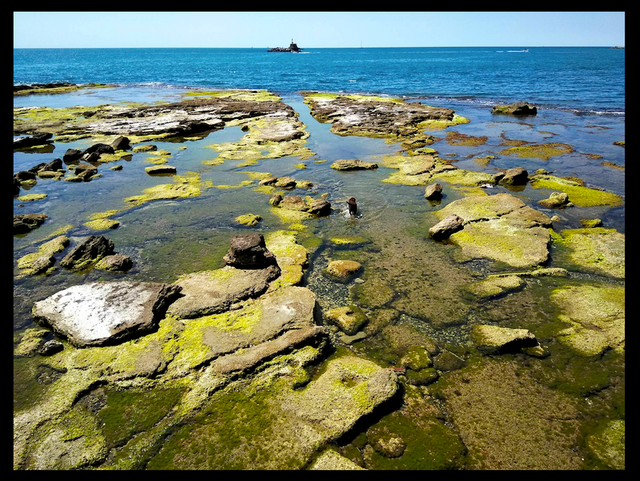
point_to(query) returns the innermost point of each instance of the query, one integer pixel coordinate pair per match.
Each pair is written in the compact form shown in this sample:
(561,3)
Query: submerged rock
(343,268)
(104,312)
(349,319)
(24,223)
(494,339)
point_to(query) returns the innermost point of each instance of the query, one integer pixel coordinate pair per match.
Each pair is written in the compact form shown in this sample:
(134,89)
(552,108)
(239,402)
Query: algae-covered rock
(292,257)
(595,316)
(608,444)
(541,151)
(500,227)
(578,194)
(495,286)
(343,268)
(42,259)
(250,220)
(353,164)
(517,108)
(331,460)
(104,312)
(23,223)
(349,319)
(211,292)
(596,249)
(495,339)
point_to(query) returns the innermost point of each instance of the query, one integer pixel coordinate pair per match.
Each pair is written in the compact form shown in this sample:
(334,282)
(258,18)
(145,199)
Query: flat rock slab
(212,292)
(105,312)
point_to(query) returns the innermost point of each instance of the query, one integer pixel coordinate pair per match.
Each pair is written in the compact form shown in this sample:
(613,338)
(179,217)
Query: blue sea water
(582,79)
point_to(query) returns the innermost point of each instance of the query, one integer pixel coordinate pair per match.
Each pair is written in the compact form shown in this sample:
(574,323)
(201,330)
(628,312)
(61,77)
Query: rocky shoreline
(249,366)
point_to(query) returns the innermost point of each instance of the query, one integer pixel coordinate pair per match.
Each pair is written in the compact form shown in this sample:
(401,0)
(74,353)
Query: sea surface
(584,79)
(580,95)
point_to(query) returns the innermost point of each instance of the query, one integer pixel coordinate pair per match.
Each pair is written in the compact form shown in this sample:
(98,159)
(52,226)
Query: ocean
(583,79)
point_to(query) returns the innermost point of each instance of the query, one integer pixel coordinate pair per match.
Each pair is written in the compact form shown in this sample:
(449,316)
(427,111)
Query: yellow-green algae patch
(578,194)
(184,186)
(539,151)
(291,256)
(595,315)
(594,249)
(26,263)
(31,197)
(250,220)
(248,95)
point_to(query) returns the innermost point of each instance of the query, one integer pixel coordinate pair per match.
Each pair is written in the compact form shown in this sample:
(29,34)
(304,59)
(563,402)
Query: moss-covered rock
(539,151)
(578,194)
(349,319)
(500,227)
(596,249)
(608,444)
(595,316)
(495,286)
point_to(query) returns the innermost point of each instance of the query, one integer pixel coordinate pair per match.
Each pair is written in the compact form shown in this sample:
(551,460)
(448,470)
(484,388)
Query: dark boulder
(23,223)
(121,143)
(32,140)
(72,156)
(90,250)
(249,251)
(517,108)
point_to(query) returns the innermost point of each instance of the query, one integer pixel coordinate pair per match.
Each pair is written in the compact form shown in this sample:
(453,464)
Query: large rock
(211,292)
(446,227)
(40,138)
(500,227)
(495,339)
(105,312)
(90,250)
(23,223)
(353,164)
(248,251)
(517,108)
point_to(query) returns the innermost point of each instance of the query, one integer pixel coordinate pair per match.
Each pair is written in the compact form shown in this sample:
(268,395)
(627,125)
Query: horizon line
(355,48)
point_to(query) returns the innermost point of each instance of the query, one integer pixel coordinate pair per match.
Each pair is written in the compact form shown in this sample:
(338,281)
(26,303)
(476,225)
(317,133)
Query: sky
(315,29)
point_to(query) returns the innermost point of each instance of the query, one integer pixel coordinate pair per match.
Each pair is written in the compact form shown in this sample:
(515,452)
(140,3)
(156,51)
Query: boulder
(353,164)
(72,156)
(101,313)
(293,202)
(349,319)
(286,183)
(515,176)
(85,171)
(319,207)
(212,292)
(249,251)
(446,227)
(275,200)
(555,200)
(433,192)
(115,263)
(121,143)
(32,140)
(495,339)
(160,169)
(517,108)
(23,223)
(90,250)
(55,164)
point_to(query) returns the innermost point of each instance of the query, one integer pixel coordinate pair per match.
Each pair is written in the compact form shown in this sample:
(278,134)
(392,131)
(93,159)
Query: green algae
(594,249)
(31,197)
(578,194)
(250,220)
(538,151)
(185,186)
(247,95)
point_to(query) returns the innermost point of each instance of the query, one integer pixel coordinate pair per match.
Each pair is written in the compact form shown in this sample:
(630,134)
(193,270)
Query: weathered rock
(248,251)
(121,143)
(353,164)
(349,319)
(55,164)
(515,176)
(104,312)
(72,156)
(433,192)
(160,169)
(293,202)
(495,286)
(319,207)
(275,200)
(23,223)
(40,138)
(23,175)
(501,227)
(115,263)
(212,292)
(495,340)
(286,183)
(517,108)
(90,250)
(85,171)
(555,200)
(331,460)
(50,347)
(446,227)
(343,268)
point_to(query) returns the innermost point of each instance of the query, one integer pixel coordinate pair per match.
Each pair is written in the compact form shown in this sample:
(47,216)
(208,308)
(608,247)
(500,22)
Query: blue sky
(316,29)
